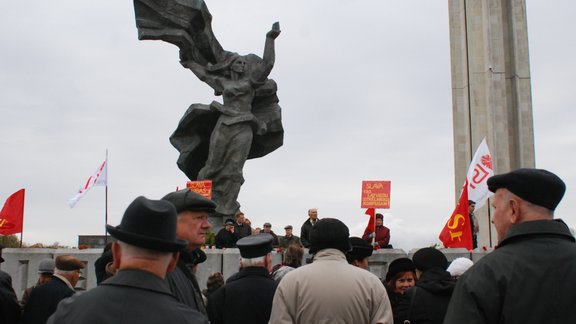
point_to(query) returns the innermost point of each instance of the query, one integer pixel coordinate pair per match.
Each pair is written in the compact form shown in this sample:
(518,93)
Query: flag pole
(22,233)
(106,203)
(374,229)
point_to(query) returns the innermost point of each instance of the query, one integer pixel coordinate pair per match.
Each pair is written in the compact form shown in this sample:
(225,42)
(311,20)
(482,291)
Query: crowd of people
(148,274)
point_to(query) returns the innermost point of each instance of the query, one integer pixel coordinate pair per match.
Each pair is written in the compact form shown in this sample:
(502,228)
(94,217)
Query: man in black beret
(330,290)
(247,299)
(531,275)
(360,253)
(193,210)
(145,250)
(44,299)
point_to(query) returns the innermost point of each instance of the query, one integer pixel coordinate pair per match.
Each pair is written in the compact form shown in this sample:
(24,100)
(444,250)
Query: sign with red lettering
(375,194)
(202,187)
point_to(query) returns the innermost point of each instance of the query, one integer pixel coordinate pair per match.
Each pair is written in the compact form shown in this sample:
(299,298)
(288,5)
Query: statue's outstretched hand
(275,31)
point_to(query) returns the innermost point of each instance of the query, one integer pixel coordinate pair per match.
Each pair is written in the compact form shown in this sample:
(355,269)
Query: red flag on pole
(371,223)
(12,214)
(457,232)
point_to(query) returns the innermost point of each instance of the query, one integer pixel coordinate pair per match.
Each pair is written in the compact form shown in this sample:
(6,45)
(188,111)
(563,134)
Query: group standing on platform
(148,274)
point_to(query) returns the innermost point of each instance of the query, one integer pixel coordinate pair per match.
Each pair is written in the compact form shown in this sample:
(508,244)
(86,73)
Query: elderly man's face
(240,219)
(193,226)
(502,217)
(267,229)
(313,213)
(288,231)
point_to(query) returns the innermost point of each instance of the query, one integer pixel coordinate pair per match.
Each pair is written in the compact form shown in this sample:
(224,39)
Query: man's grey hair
(131,251)
(64,273)
(252,262)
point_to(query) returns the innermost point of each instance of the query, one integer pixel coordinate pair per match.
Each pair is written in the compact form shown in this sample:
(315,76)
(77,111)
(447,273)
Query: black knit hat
(360,248)
(428,258)
(399,265)
(187,199)
(329,233)
(149,224)
(540,187)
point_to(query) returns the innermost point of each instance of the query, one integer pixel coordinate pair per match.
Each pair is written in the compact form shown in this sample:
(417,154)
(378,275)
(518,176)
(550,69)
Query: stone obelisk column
(491,93)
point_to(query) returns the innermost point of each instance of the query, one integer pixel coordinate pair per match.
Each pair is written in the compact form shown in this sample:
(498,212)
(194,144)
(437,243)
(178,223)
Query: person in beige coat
(330,290)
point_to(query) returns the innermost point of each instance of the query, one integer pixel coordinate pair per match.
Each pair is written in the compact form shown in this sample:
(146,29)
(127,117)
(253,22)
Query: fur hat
(540,187)
(360,248)
(428,258)
(149,224)
(399,265)
(329,233)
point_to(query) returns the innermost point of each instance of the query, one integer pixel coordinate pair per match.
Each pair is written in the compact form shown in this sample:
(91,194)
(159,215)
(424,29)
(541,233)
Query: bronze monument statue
(215,140)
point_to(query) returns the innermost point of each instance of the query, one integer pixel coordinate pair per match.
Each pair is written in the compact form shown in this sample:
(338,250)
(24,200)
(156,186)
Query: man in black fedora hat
(247,298)
(192,225)
(330,290)
(147,248)
(530,276)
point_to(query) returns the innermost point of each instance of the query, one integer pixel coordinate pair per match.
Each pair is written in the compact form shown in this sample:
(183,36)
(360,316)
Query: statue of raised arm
(215,140)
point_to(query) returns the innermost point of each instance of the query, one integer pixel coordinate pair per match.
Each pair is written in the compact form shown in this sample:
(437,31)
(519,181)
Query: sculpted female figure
(245,125)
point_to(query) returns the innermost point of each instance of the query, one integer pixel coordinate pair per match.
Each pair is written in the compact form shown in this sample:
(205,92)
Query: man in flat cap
(226,239)
(247,299)
(288,239)
(45,272)
(146,248)
(330,290)
(530,277)
(267,229)
(44,299)
(193,210)
(360,253)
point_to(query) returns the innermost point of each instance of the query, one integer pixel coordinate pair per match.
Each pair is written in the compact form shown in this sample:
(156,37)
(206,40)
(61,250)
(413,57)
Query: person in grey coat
(146,249)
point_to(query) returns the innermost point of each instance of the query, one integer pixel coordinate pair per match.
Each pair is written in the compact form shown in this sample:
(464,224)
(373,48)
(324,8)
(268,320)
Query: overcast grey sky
(364,87)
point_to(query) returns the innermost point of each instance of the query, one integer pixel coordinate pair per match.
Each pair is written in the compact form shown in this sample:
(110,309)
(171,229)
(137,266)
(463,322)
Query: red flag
(12,214)
(371,224)
(457,232)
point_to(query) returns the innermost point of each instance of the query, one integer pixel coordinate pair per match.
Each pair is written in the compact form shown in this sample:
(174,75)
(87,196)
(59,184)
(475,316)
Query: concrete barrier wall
(22,264)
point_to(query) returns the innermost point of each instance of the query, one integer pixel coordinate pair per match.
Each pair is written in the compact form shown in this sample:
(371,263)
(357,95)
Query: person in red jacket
(382,234)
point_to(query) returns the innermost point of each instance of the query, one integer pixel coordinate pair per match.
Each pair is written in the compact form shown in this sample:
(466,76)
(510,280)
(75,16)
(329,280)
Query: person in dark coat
(428,300)
(146,249)
(360,253)
(9,307)
(400,277)
(241,227)
(288,239)
(267,229)
(45,273)
(103,266)
(193,226)
(248,298)
(531,275)
(307,227)
(45,298)
(226,238)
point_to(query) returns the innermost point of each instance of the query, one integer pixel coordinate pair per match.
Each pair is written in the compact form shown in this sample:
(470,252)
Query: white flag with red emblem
(99,178)
(478,173)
